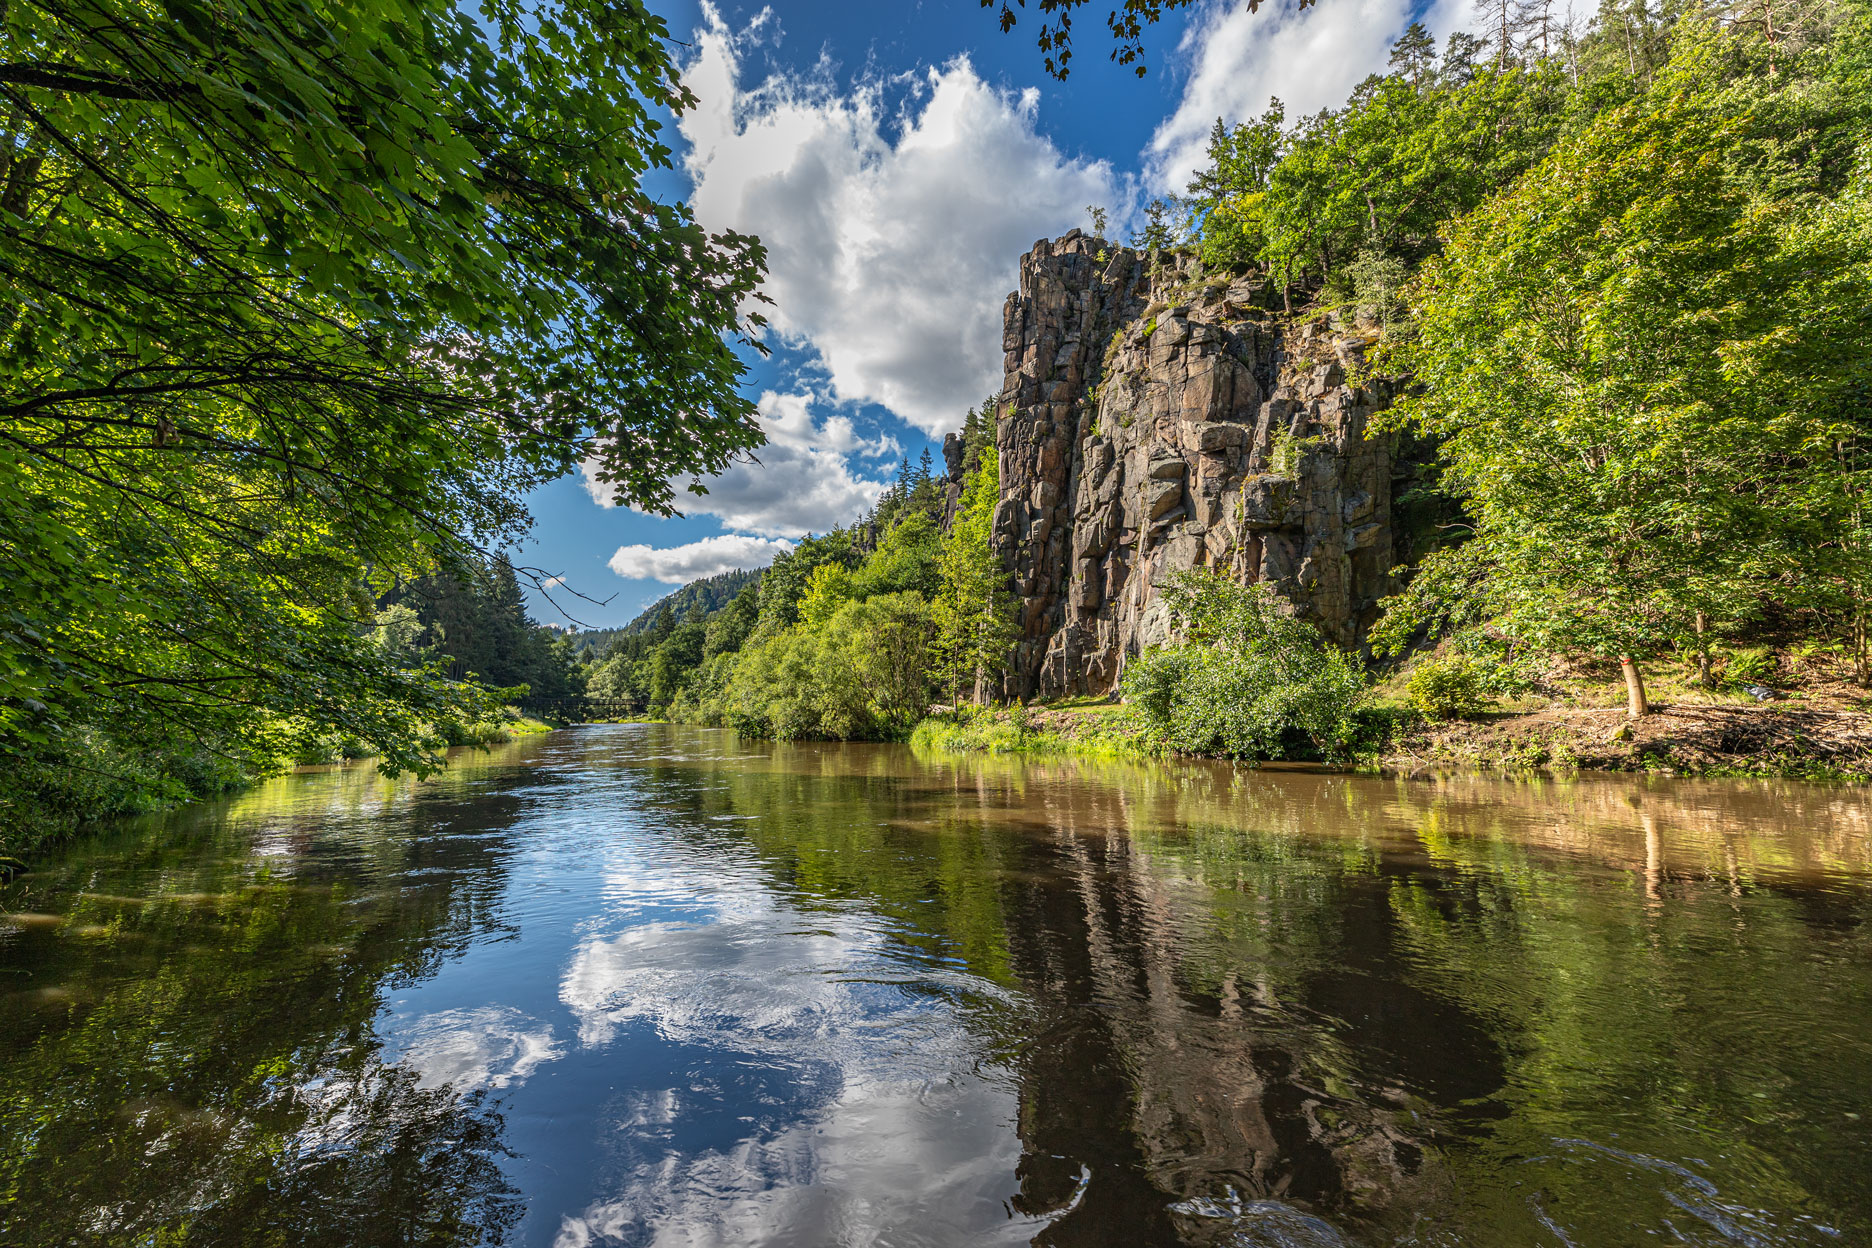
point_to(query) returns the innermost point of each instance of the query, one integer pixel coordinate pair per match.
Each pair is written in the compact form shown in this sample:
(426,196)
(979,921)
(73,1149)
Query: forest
(850,634)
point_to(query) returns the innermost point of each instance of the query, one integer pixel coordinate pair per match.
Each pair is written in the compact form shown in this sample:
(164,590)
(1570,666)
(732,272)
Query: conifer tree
(1412,57)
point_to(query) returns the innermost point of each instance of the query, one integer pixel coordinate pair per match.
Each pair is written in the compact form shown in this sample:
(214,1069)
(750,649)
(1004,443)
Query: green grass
(987,731)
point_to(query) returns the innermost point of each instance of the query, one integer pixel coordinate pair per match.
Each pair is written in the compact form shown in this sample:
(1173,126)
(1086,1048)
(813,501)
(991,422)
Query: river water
(650,985)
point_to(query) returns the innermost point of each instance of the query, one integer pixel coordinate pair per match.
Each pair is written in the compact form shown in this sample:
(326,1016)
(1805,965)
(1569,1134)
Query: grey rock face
(1154,418)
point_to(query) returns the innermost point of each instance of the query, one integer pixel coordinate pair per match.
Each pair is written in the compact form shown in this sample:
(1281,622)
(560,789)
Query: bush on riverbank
(51,788)
(86,775)
(862,674)
(1247,678)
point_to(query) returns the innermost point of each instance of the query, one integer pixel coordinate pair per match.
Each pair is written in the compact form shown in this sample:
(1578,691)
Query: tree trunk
(1635,703)
(1703,658)
(1862,652)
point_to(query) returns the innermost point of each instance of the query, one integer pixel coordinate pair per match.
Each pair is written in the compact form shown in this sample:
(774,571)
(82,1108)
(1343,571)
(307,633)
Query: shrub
(83,772)
(1448,686)
(1246,678)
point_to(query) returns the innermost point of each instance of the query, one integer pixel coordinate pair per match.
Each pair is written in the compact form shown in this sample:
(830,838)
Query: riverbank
(117,785)
(1805,735)
(1687,740)
(1082,728)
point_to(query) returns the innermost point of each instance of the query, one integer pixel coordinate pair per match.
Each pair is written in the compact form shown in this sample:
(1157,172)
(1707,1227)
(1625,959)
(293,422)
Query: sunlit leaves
(300,298)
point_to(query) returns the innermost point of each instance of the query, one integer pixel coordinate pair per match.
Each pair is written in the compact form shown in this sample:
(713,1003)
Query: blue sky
(897,159)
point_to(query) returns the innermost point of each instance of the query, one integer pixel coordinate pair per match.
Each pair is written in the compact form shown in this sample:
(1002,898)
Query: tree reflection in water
(1312,1007)
(194,1062)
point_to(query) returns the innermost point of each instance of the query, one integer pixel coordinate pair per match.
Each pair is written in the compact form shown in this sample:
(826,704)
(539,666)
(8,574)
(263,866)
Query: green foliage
(906,560)
(705,596)
(827,589)
(967,729)
(88,772)
(863,674)
(1157,233)
(1246,679)
(729,628)
(978,436)
(302,301)
(1369,187)
(975,613)
(1378,285)
(1450,685)
(867,636)
(1447,595)
(1592,402)
(784,583)
(474,624)
(1755,665)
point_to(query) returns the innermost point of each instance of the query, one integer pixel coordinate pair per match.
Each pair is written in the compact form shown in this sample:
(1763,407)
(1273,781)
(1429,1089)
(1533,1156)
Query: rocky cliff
(1153,418)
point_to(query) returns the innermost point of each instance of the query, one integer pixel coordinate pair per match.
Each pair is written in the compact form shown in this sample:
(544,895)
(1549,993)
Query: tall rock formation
(1154,418)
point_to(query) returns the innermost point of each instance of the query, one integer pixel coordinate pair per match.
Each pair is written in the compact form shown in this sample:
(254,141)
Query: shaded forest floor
(1810,720)
(1690,739)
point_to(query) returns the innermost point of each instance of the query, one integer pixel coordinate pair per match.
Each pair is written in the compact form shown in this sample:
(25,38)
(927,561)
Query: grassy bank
(1814,725)
(1081,729)
(1804,719)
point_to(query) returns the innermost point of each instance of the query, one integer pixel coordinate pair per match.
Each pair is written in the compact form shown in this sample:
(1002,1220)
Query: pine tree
(1412,56)
(661,627)
(1156,232)
(978,434)
(923,490)
(1459,58)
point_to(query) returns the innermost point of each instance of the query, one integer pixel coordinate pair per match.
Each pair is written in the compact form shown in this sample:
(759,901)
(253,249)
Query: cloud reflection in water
(492,1047)
(875,1120)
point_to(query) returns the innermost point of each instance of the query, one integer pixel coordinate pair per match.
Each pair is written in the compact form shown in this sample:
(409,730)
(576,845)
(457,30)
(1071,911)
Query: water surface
(644,985)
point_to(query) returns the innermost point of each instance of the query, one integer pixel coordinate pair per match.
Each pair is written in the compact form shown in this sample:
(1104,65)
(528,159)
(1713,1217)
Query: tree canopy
(299,299)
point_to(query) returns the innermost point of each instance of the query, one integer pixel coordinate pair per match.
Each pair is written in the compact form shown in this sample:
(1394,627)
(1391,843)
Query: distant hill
(709,595)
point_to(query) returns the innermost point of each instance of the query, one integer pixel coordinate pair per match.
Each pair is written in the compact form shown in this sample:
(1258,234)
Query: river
(645,985)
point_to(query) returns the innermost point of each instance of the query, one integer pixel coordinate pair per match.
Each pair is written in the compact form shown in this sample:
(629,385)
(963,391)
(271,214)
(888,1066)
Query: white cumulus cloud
(802,481)
(678,565)
(1310,58)
(892,238)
